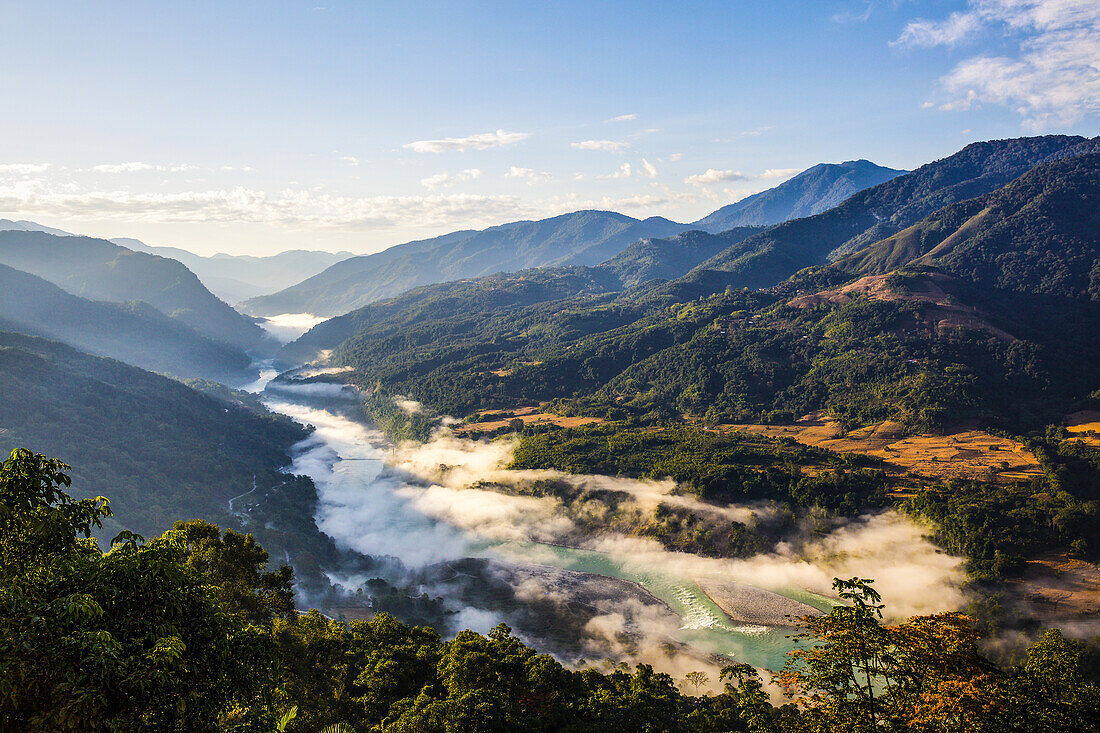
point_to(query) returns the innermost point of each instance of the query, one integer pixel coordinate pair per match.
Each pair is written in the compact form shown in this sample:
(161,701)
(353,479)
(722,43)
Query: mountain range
(234,278)
(812,191)
(230,277)
(1000,241)
(133,332)
(97,269)
(584,238)
(877,212)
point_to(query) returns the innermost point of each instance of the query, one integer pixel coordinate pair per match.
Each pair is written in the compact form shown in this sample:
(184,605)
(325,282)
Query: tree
(133,639)
(237,566)
(841,675)
(696,679)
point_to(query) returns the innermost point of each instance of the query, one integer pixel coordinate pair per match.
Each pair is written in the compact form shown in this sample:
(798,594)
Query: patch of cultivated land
(963,454)
(1085,427)
(1060,591)
(531,415)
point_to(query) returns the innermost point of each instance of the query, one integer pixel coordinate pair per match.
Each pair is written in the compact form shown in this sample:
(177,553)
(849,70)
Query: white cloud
(137,166)
(754,133)
(623,118)
(922,33)
(648,169)
(1053,80)
(624,171)
(711,176)
(675,157)
(291,208)
(444,179)
(24,169)
(528,174)
(350,159)
(610,146)
(480,141)
(779,172)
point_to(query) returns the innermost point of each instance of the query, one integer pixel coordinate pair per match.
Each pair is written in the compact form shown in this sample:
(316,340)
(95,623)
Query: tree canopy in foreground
(190,631)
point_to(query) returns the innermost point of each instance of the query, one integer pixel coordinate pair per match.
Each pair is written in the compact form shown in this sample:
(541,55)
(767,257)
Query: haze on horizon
(260,127)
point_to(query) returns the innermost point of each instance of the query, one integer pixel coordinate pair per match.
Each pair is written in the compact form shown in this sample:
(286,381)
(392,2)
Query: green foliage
(724,467)
(997,526)
(131,640)
(159,448)
(157,637)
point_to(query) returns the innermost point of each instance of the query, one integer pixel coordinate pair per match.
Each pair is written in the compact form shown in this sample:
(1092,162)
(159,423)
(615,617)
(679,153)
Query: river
(364,505)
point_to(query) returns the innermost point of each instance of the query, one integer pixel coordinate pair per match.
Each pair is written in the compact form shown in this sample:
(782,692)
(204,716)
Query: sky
(255,127)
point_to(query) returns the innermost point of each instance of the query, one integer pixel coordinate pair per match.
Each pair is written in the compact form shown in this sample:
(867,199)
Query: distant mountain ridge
(234,278)
(812,191)
(133,332)
(875,213)
(100,270)
(578,238)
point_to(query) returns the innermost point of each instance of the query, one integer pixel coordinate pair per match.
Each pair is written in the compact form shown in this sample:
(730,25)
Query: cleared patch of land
(1085,427)
(491,420)
(1060,591)
(963,454)
(943,312)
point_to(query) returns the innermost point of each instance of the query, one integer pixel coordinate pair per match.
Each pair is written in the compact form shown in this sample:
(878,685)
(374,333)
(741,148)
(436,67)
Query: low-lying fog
(420,503)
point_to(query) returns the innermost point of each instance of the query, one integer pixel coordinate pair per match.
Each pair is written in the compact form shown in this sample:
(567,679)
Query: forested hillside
(875,213)
(1039,234)
(157,447)
(99,270)
(133,332)
(667,259)
(579,238)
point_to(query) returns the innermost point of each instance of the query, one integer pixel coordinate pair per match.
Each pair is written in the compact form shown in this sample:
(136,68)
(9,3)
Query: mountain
(29,226)
(652,259)
(579,238)
(876,213)
(234,278)
(812,191)
(100,270)
(1038,234)
(133,332)
(476,298)
(157,448)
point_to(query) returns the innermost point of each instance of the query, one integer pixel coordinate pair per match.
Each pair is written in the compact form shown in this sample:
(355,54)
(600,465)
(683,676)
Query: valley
(624,443)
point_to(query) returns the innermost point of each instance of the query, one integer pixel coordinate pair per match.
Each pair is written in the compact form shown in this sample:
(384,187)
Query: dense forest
(906,326)
(191,631)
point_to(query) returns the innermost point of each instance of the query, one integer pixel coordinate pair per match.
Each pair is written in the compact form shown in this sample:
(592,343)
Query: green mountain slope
(410,319)
(159,449)
(579,238)
(1038,234)
(133,332)
(99,270)
(878,212)
(665,259)
(812,191)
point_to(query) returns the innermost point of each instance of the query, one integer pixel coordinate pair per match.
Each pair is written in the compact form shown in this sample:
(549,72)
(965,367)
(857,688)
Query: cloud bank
(480,141)
(1052,80)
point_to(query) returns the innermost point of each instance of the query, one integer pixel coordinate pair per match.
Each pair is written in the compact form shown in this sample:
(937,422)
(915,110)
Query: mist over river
(385,500)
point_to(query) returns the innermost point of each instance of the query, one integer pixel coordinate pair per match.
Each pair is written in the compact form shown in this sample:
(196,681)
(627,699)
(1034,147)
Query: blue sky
(252,127)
